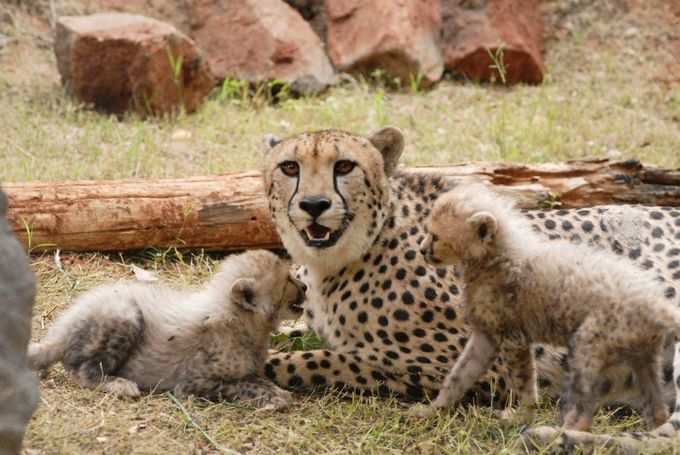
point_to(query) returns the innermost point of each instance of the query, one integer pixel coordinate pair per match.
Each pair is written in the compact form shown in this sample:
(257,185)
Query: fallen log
(228,212)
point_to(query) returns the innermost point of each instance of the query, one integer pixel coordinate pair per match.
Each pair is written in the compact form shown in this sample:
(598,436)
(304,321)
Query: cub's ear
(390,142)
(269,141)
(243,293)
(485,224)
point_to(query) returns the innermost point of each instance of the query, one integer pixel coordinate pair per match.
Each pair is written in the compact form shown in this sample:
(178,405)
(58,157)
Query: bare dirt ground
(613,89)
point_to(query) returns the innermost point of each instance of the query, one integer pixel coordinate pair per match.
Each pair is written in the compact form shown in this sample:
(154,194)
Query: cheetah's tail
(659,440)
(42,355)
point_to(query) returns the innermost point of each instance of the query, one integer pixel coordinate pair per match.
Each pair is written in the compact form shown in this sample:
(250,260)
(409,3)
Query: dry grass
(606,94)
(73,420)
(610,92)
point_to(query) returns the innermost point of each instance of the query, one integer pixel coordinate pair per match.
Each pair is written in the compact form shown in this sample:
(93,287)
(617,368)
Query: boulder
(259,41)
(173,12)
(314,12)
(478,36)
(119,61)
(399,37)
(18,384)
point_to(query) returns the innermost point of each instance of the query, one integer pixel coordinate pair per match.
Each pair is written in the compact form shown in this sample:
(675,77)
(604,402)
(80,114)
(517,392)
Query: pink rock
(397,36)
(314,12)
(172,12)
(261,40)
(119,61)
(474,29)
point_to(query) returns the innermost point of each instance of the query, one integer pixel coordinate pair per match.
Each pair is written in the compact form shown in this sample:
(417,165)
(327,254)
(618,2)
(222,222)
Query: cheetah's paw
(423,410)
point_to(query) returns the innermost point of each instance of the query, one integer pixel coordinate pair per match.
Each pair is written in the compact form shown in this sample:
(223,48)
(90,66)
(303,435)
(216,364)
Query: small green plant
(551,201)
(234,90)
(176,65)
(307,341)
(270,92)
(498,64)
(29,234)
(278,91)
(416,83)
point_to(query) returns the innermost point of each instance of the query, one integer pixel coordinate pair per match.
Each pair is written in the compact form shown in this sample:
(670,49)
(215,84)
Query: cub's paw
(280,399)
(122,387)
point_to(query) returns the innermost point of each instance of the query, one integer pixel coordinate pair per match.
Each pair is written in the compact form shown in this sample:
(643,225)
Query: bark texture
(228,212)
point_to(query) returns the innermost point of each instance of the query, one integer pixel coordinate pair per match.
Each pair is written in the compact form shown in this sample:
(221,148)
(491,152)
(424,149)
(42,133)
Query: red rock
(261,40)
(120,61)
(397,36)
(172,12)
(473,29)
(314,12)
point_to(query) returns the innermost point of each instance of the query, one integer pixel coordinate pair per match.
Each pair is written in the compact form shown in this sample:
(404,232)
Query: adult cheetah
(392,320)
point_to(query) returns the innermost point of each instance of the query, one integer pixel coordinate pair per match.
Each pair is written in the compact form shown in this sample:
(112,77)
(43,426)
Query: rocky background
(155,55)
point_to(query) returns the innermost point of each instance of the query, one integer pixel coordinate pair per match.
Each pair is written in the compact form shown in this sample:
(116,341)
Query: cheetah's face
(328,192)
(457,234)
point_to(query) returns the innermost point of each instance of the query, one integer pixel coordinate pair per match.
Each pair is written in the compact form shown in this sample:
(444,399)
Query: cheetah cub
(522,289)
(213,342)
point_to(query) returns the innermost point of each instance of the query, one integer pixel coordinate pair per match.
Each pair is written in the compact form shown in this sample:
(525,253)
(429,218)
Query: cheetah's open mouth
(430,258)
(296,307)
(319,236)
(317,232)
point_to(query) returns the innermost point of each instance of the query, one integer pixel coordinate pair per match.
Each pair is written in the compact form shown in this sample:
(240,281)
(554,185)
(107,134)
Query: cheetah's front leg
(253,390)
(522,378)
(345,371)
(477,357)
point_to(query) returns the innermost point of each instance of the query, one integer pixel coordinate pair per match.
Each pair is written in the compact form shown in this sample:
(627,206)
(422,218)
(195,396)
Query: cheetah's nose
(304,287)
(315,205)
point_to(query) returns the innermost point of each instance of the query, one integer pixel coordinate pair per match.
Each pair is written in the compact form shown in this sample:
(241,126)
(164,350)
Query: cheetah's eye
(290,168)
(344,167)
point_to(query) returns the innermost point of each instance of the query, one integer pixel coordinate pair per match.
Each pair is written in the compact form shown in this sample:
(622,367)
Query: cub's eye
(290,168)
(344,167)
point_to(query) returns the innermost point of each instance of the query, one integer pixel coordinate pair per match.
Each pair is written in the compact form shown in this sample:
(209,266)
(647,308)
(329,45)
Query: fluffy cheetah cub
(132,336)
(522,289)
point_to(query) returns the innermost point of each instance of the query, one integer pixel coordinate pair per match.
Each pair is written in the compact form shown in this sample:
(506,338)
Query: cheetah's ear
(243,293)
(390,142)
(269,141)
(485,224)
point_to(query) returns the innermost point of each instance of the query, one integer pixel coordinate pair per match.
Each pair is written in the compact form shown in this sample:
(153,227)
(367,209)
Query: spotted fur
(392,320)
(132,336)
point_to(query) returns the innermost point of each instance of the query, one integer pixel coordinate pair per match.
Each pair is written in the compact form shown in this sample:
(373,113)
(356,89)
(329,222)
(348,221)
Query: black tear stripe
(290,201)
(335,187)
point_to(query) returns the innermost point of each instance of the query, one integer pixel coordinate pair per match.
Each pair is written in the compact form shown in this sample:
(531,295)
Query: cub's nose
(315,205)
(425,245)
